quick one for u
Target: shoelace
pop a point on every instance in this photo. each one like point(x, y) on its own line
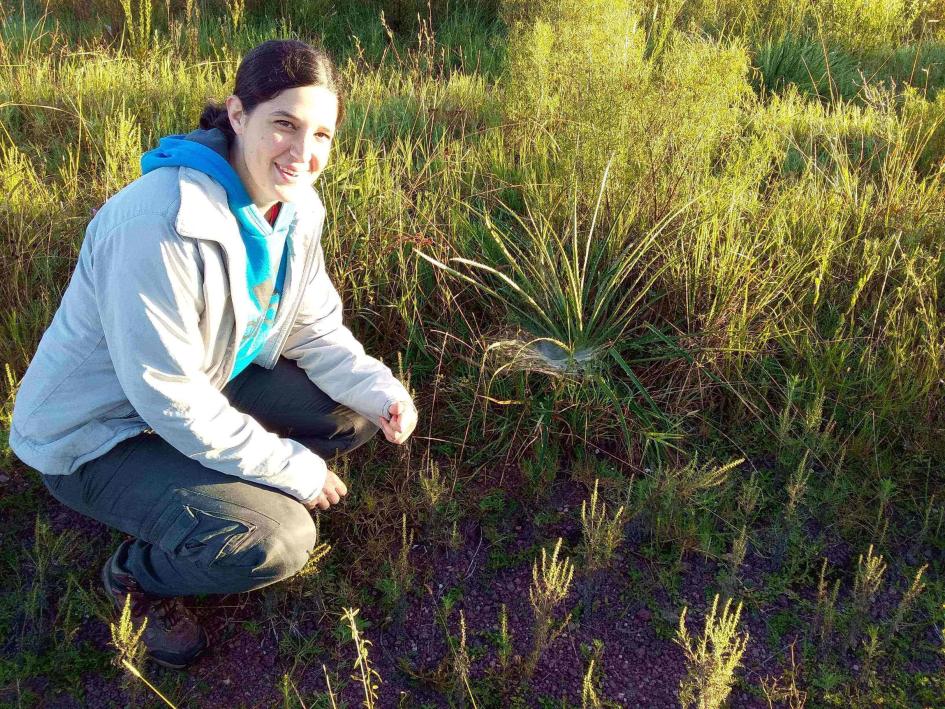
point(169, 611)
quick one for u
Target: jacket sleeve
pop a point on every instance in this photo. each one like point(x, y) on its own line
point(148, 287)
point(331, 356)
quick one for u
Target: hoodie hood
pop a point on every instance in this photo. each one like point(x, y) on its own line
point(207, 151)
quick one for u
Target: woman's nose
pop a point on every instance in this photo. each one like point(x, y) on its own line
point(303, 149)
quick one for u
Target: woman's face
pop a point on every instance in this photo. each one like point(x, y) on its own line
point(282, 145)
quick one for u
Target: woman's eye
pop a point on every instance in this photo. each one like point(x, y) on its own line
point(285, 124)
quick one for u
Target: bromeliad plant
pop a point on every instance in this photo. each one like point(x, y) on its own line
point(575, 291)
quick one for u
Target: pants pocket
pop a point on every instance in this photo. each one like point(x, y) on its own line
point(204, 529)
point(204, 537)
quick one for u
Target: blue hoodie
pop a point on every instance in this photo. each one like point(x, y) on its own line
point(206, 150)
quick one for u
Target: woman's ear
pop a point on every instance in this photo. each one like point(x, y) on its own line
point(234, 110)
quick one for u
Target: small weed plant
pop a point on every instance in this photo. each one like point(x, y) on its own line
point(601, 533)
point(870, 571)
point(131, 651)
point(589, 698)
point(712, 658)
point(551, 582)
point(365, 674)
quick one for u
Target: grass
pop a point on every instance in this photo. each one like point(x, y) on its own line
point(688, 272)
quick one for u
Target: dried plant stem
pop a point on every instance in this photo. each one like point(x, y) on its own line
point(331, 694)
point(134, 671)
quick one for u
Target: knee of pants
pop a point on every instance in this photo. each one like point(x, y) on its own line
point(282, 552)
point(362, 430)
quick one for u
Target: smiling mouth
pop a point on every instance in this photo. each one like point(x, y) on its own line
point(289, 174)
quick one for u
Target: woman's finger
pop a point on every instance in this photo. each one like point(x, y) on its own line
point(386, 428)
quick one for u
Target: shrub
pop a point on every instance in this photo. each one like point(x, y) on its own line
point(870, 24)
point(575, 69)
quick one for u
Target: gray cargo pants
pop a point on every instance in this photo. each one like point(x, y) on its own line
point(201, 531)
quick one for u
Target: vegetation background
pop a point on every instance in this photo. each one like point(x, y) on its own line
point(667, 280)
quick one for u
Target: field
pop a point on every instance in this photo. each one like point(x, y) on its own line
point(668, 282)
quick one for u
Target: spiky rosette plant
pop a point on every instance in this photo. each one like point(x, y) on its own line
point(573, 292)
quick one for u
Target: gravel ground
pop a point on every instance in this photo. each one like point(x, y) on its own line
point(632, 615)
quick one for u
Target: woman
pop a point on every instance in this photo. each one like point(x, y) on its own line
point(197, 374)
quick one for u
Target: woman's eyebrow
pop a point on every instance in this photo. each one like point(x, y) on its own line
point(281, 112)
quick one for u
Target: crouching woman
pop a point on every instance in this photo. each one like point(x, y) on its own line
point(197, 375)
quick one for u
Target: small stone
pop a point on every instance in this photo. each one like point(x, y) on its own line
point(644, 615)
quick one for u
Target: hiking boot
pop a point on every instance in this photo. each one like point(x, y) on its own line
point(173, 637)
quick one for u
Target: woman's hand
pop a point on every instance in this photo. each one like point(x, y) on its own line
point(332, 492)
point(403, 419)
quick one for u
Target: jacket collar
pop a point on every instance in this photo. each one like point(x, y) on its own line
point(204, 213)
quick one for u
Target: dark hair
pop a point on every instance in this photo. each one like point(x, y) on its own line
point(270, 69)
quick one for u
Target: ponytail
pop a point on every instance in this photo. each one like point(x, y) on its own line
point(215, 116)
